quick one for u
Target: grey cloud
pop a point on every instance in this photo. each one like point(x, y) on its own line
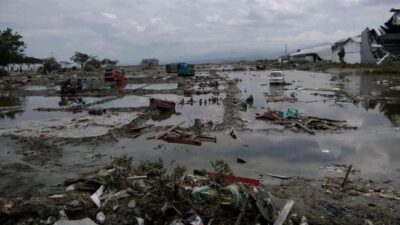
point(178, 30)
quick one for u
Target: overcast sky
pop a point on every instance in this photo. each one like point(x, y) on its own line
point(179, 30)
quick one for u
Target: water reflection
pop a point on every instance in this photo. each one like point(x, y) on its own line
point(365, 114)
point(10, 107)
point(276, 90)
point(19, 109)
point(292, 155)
point(385, 99)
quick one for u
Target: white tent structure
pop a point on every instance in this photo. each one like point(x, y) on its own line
point(320, 53)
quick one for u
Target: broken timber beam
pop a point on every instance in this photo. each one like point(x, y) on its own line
point(158, 136)
point(206, 138)
point(284, 212)
point(304, 127)
point(181, 140)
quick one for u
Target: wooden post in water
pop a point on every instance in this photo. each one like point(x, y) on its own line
point(347, 175)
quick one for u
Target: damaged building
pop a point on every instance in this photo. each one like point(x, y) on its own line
point(390, 38)
point(149, 63)
point(367, 48)
point(362, 49)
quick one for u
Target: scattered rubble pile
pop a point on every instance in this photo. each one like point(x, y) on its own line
point(146, 194)
point(279, 98)
point(358, 187)
point(355, 187)
point(305, 123)
point(14, 81)
point(176, 134)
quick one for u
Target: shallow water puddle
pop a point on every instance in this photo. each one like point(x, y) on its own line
point(28, 104)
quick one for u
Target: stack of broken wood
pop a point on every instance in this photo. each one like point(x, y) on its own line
point(304, 123)
point(175, 134)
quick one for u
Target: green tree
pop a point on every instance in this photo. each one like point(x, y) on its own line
point(80, 58)
point(92, 63)
point(109, 62)
point(341, 55)
point(11, 47)
point(50, 65)
point(31, 60)
point(114, 62)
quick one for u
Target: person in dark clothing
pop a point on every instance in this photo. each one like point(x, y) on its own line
point(67, 87)
point(79, 84)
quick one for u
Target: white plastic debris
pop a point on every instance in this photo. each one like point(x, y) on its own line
point(140, 221)
point(70, 188)
point(132, 204)
point(63, 215)
point(100, 217)
point(85, 221)
point(96, 196)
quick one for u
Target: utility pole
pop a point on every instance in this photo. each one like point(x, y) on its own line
point(285, 49)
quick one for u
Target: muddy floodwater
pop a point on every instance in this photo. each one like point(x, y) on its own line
point(370, 103)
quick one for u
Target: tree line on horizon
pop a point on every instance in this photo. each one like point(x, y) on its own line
point(12, 49)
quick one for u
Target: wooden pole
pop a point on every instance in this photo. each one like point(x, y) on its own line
point(347, 175)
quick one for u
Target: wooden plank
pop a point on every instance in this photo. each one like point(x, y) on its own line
point(304, 127)
point(278, 176)
point(181, 140)
point(158, 136)
point(329, 120)
point(284, 212)
point(206, 138)
point(114, 136)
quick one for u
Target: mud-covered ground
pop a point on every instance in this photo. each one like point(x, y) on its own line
point(35, 161)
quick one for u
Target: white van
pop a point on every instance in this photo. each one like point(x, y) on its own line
point(276, 78)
